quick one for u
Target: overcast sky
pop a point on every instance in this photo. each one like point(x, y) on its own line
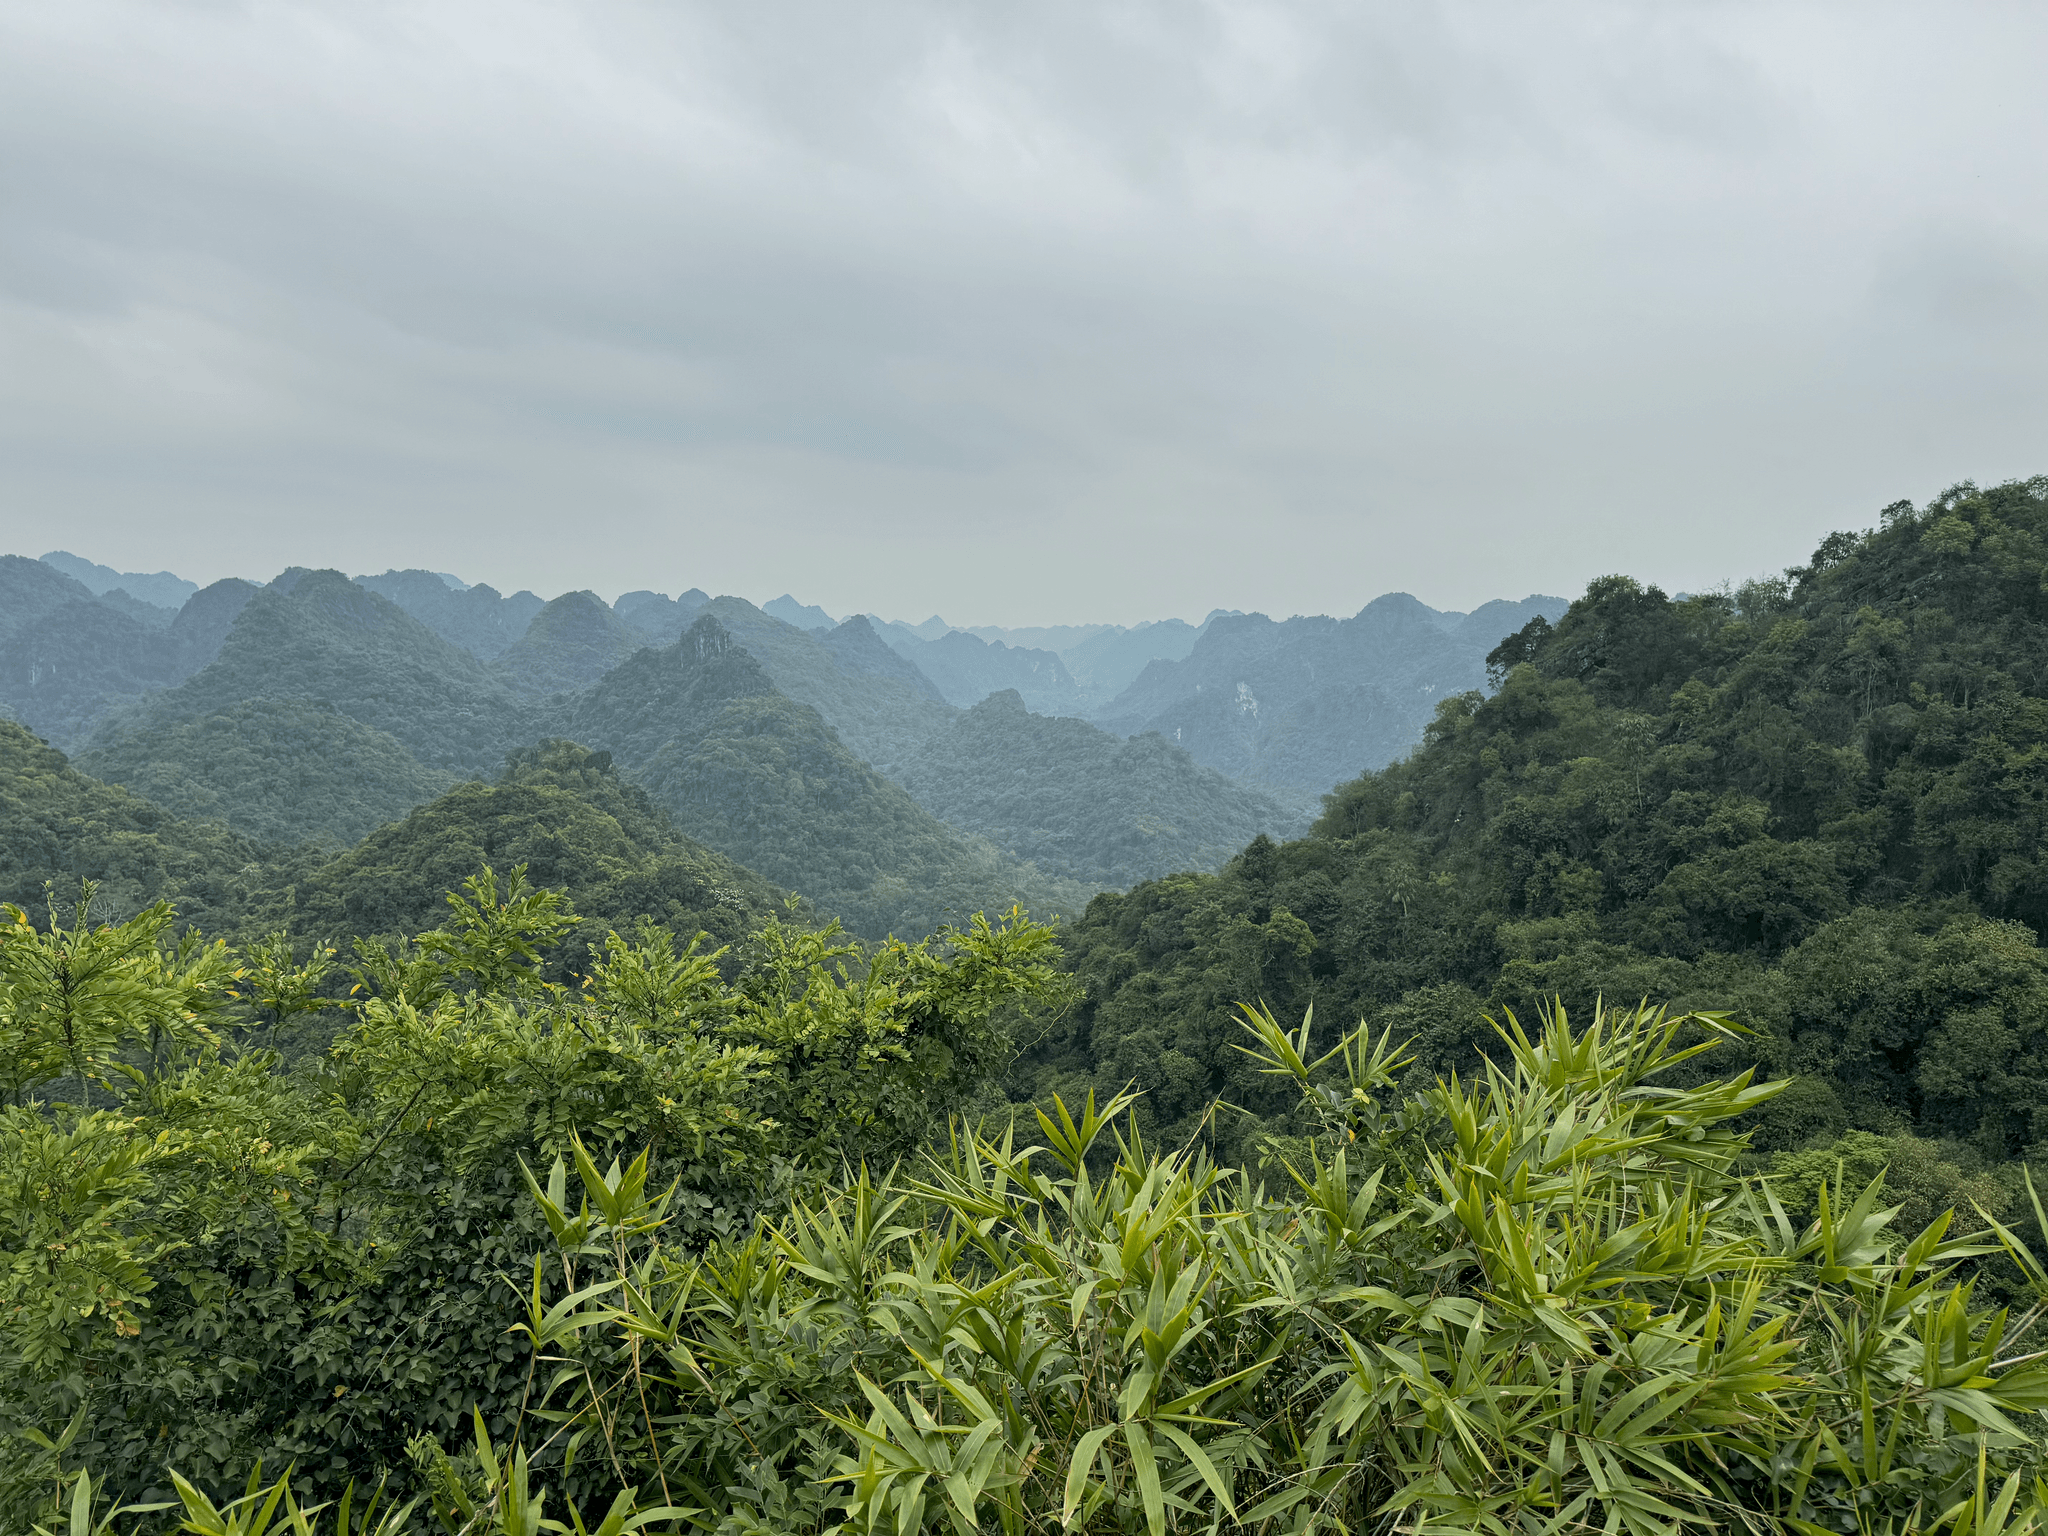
point(1016, 312)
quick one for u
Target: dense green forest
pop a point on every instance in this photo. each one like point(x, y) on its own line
point(1619, 1115)
point(1814, 801)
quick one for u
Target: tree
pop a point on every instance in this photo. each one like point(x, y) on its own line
point(76, 1000)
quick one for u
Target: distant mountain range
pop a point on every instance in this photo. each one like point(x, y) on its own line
point(893, 773)
point(1306, 702)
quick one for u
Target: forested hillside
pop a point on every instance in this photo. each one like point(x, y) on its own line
point(280, 769)
point(317, 635)
point(569, 645)
point(58, 826)
point(1099, 811)
point(1079, 802)
point(318, 708)
point(1814, 802)
point(763, 778)
point(563, 813)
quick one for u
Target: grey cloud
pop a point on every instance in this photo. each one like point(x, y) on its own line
point(1028, 314)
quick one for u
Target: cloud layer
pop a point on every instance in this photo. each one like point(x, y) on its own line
point(1023, 313)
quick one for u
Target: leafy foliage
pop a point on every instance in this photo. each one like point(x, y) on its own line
point(222, 1261)
point(1552, 1303)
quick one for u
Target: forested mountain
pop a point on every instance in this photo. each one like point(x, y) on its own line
point(1079, 802)
point(479, 619)
point(59, 825)
point(321, 708)
point(858, 650)
point(1107, 663)
point(201, 626)
point(558, 808)
point(317, 635)
point(761, 777)
point(329, 711)
point(571, 643)
point(60, 669)
point(277, 768)
point(1816, 803)
point(67, 656)
point(564, 813)
point(1302, 704)
point(1103, 812)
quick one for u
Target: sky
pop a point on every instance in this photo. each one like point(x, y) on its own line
point(1021, 314)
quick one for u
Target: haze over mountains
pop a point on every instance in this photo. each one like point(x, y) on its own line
point(895, 774)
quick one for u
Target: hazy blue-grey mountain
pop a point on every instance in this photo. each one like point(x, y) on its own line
point(479, 619)
point(148, 615)
point(661, 618)
point(570, 644)
point(160, 589)
point(967, 669)
point(1108, 662)
point(31, 589)
point(1306, 703)
point(802, 615)
point(882, 716)
point(1036, 637)
point(857, 651)
point(67, 656)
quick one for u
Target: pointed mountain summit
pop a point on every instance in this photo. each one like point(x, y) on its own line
point(318, 635)
point(570, 644)
point(858, 651)
point(202, 625)
point(763, 779)
point(802, 615)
